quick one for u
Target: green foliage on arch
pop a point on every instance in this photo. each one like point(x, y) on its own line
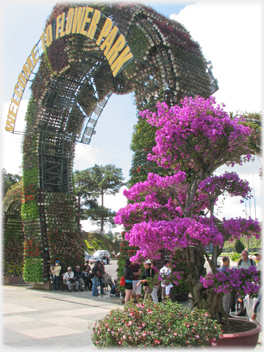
point(13, 236)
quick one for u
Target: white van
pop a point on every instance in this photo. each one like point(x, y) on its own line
point(101, 252)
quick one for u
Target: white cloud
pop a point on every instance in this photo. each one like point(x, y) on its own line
point(116, 202)
point(89, 227)
point(85, 156)
point(233, 209)
point(230, 35)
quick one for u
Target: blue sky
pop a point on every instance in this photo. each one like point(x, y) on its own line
point(229, 33)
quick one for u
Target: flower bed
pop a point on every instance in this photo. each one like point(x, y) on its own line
point(149, 324)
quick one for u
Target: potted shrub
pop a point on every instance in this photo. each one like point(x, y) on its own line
point(192, 141)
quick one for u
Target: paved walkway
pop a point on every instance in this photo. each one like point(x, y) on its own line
point(50, 320)
point(39, 319)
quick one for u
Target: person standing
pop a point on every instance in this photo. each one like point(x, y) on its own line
point(256, 307)
point(165, 289)
point(135, 267)
point(259, 259)
point(154, 270)
point(144, 281)
point(87, 265)
point(96, 272)
point(56, 269)
point(101, 275)
point(227, 296)
point(128, 276)
point(244, 263)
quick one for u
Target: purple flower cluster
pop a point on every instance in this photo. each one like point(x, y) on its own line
point(228, 182)
point(235, 228)
point(195, 131)
point(151, 236)
point(239, 281)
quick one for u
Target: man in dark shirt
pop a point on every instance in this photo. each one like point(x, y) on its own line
point(86, 276)
point(78, 275)
point(135, 267)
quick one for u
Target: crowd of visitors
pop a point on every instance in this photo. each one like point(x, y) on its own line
point(135, 279)
point(133, 283)
point(230, 301)
point(90, 278)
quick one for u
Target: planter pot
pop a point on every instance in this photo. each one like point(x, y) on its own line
point(13, 280)
point(47, 285)
point(241, 339)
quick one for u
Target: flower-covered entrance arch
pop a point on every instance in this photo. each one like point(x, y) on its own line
point(92, 52)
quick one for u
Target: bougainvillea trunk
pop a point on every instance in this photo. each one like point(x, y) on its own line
point(202, 298)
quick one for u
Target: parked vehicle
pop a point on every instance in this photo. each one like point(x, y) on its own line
point(102, 252)
point(87, 255)
point(93, 259)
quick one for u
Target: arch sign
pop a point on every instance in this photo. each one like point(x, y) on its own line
point(79, 20)
point(86, 54)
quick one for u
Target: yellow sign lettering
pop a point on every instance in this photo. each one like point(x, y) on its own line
point(33, 55)
point(27, 68)
point(78, 19)
point(83, 20)
point(117, 47)
point(49, 35)
point(12, 112)
point(86, 19)
point(10, 122)
point(109, 40)
point(17, 93)
point(58, 25)
point(62, 32)
point(14, 101)
point(17, 103)
point(93, 25)
point(43, 41)
point(69, 21)
point(122, 58)
point(22, 80)
point(105, 30)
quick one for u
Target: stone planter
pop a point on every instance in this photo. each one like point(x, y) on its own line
point(248, 339)
point(13, 280)
point(46, 286)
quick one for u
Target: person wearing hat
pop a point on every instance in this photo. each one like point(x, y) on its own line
point(55, 270)
point(165, 289)
point(258, 256)
point(144, 281)
point(69, 279)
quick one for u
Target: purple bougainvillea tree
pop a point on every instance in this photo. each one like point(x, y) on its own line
point(193, 139)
